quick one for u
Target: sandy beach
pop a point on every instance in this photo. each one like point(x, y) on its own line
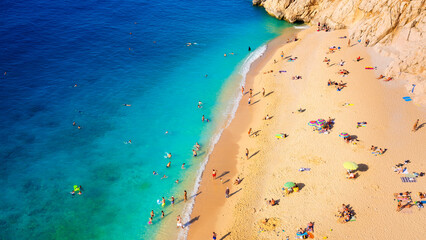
point(324, 188)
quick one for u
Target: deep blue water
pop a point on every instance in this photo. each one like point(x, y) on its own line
point(116, 52)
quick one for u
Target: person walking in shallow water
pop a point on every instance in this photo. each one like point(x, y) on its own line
point(185, 196)
point(416, 125)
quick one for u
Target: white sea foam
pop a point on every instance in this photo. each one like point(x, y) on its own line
point(301, 27)
point(229, 114)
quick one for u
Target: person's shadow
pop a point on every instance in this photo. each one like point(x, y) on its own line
point(420, 126)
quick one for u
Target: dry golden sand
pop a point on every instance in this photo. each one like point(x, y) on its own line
point(324, 188)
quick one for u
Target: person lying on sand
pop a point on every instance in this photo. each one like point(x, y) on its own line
point(343, 72)
point(381, 76)
point(388, 79)
point(296, 77)
point(237, 181)
point(272, 202)
point(422, 195)
point(358, 58)
point(267, 117)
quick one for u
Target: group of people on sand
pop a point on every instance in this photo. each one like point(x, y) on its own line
point(302, 233)
point(338, 86)
point(345, 213)
point(376, 150)
point(406, 198)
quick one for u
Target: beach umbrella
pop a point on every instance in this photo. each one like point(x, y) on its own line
point(344, 135)
point(289, 184)
point(312, 123)
point(321, 121)
point(350, 165)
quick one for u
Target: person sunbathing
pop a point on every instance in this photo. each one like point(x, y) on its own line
point(422, 195)
point(272, 202)
point(237, 181)
point(358, 58)
point(351, 175)
point(373, 148)
point(381, 76)
point(326, 60)
point(267, 117)
point(388, 79)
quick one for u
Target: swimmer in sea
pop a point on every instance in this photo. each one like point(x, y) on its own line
point(150, 221)
point(79, 127)
point(194, 153)
point(166, 132)
point(168, 164)
point(183, 166)
point(152, 213)
point(177, 181)
point(73, 123)
point(169, 155)
point(127, 105)
point(129, 142)
point(197, 146)
point(203, 118)
point(164, 176)
point(224, 55)
point(200, 104)
point(154, 173)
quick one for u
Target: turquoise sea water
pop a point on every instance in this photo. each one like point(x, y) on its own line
point(126, 52)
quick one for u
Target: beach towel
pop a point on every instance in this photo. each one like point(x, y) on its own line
point(407, 99)
point(353, 219)
point(304, 169)
point(281, 71)
point(369, 68)
point(407, 179)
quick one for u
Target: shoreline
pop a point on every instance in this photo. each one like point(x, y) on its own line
point(226, 148)
point(274, 162)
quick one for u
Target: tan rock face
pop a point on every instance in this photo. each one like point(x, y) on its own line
point(394, 27)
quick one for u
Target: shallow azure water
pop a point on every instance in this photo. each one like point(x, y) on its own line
point(116, 52)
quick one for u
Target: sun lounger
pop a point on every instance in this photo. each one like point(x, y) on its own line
point(407, 179)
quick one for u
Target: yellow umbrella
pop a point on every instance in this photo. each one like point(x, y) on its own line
point(350, 165)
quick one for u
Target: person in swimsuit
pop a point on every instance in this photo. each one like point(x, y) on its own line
point(214, 174)
point(214, 236)
point(152, 214)
point(247, 153)
point(194, 153)
point(162, 214)
point(163, 201)
point(168, 164)
point(179, 222)
point(172, 200)
point(150, 221)
point(185, 196)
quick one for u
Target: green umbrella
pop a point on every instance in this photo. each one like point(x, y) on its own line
point(350, 165)
point(289, 184)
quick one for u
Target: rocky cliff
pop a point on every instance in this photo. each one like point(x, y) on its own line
point(394, 27)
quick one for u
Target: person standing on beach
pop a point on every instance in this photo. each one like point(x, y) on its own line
point(349, 42)
point(249, 101)
point(242, 90)
point(185, 196)
point(214, 236)
point(247, 153)
point(249, 132)
point(227, 192)
point(263, 92)
point(172, 200)
point(179, 222)
point(415, 125)
point(214, 174)
point(251, 92)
